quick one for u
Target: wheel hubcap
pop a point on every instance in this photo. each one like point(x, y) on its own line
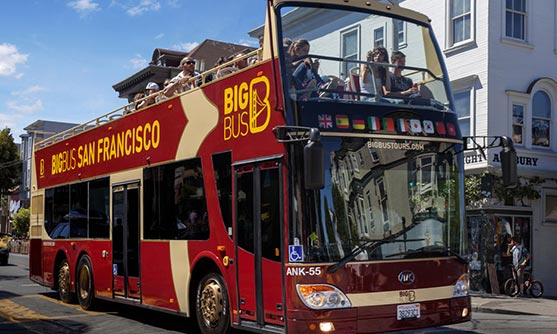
point(64, 279)
point(211, 302)
point(84, 283)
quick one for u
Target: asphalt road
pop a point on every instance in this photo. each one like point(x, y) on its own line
point(27, 308)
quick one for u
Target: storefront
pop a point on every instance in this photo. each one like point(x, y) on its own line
point(488, 232)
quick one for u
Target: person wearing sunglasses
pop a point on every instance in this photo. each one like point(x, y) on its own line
point(182, 82)
point(375, 79)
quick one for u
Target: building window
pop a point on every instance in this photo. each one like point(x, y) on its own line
point(515, 19)
point(460, 21)
point(518, 124)
point(541, 119)
point(400, 33)
point(462, 108)
point(550, 206)
point(379, 37)
point(349, 49)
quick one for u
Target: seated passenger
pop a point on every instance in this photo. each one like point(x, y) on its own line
point(375, 79)
point(181, 82)
point(150, 94)
point(304, 70)
point(401, 86)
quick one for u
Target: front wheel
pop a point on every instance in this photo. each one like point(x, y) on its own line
point(64, 282)
point(212, 307)
point(511, 287)
point(85, 288)
point(536, 289)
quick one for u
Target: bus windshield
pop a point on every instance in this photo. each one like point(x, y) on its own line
point(384, 199)
point(360, 57)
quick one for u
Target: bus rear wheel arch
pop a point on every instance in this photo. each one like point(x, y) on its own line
point(85, 288)
point(212, 307)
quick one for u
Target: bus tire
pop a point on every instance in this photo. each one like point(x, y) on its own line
point(64, 282)
point(85, 289)
point(212, 307)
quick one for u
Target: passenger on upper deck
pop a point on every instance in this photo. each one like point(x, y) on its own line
point(151, 90)
point(180, 83)
point(401, 85)
point(305, 71)
point(375, 75)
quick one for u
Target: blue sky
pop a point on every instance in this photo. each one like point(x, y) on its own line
point(60, 58)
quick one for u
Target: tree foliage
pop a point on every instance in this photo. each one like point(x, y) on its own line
point(474, 193)
point(21, 221)
point(10, 164)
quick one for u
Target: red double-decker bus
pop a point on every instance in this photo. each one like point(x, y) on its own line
point(264, 202)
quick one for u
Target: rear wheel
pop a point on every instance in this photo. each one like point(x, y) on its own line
point(511, 287)
point(212, 307)
point(85, 288)
point(64, 282)
point(536, 289)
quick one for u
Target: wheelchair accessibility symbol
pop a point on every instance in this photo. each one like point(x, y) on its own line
point(295, 253)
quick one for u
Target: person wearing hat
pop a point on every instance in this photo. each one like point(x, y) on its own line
point(150, 93)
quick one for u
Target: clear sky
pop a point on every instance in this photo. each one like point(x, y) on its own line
point(60, 58)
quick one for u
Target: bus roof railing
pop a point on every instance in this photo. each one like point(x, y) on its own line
point(130, 107)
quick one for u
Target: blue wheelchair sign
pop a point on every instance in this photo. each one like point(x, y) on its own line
point(295, 253)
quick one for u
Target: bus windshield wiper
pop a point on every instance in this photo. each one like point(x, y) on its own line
point(370, 244)
point(413, 253)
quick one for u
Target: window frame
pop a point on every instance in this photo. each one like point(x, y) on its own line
point(549, 120)
point(450, 44)
point(548, 192)
point(345, 67)
point(383, 40)
point(522, 126)
point(528, 33)
point(467, 84)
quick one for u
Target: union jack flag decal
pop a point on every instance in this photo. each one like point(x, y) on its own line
point(325, 121)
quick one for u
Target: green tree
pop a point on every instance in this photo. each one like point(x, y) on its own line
point(20, 224)
point(10, 164)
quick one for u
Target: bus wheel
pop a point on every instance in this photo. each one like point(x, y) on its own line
point(85, 288)
point(64, 282)
point(212, 307)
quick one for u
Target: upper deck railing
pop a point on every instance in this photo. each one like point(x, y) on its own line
point(206, 77)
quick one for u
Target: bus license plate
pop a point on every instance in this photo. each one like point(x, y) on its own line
point(408, 311)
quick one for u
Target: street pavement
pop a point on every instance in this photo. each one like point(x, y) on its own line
point(502, 304)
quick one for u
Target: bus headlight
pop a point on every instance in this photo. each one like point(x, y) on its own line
point(322, 296)
point(462, 286)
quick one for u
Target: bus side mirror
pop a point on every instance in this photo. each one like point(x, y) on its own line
point(314, 167)
point(508, 163)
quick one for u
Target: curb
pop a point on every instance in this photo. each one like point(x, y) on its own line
point(481, 309)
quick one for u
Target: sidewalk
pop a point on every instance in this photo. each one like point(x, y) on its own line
point(488, 303)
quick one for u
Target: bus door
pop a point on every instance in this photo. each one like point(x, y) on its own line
point(125, 241)
point(258, 230)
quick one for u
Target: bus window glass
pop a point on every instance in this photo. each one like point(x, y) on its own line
point(175, 205)
point(98, 209)
point(270, 214)
point(223, 178)
point(60, 206)
point(330, 62)
point(244, 198)
point(411, 207)
point(77, 216)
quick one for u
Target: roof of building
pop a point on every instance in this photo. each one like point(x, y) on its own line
point(164, 64)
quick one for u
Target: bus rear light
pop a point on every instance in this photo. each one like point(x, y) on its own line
point(462, 286)
point(322, 296)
